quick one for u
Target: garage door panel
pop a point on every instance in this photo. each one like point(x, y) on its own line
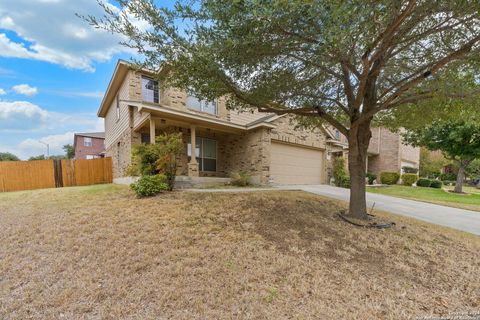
point(291, 164)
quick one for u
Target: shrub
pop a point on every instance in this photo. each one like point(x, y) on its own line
point(132, 170)
point(437, 184)
point(170, 147)
point(448, 177)
point(240, 178)
point(344, 182)
point(147, 186)
point(408, 179)
point(339, 173)
point(371, 177)
point(407, 169)
point(424, 183)
point(389, 177)
point(161, 157)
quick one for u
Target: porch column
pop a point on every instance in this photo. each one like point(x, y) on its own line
point(152, 130)
point(193, 165)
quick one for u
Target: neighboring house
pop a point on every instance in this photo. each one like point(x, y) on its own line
point(89, 145)
point(136, 108)
point(386, 151)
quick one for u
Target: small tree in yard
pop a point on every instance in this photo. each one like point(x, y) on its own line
point(69, 151)
point(459, 141)
point(159, 158)
point(343, 62)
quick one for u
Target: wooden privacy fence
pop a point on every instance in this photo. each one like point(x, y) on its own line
point(27, 175)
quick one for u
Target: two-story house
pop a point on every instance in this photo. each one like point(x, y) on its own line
point(386, 151)
point(89, 145)
point(136, 108)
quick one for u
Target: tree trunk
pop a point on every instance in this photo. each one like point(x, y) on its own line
point(460, 178)
point(358, 140)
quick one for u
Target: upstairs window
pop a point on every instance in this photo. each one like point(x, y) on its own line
point(87, 141)
point(149, 90)
point(195, 103)
point(337, 134)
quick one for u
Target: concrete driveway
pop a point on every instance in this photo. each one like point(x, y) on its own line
point(460, 219)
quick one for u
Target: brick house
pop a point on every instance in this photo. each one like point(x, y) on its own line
point(268, 147)
point(89, 145)
point(386, 151)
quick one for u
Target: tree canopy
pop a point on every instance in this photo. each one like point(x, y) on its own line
point(343, 62)
point(69, 151)
point(458, 141)
point(7, 156)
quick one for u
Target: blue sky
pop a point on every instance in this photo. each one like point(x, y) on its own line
point(54, 69)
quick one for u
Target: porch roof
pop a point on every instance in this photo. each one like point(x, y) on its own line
point(160, 110)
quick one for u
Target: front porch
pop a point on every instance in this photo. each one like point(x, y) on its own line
point(219, 150)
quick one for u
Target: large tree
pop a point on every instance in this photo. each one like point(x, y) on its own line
point(340, 61)
point(459, 141)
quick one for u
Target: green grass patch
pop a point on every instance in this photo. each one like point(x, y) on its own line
point(470, 201)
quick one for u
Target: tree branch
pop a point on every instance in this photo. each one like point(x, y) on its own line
point(466, 48)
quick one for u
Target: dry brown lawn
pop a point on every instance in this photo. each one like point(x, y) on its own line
point(100, 253)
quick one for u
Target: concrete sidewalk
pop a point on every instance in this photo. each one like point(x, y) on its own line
point(460, 219)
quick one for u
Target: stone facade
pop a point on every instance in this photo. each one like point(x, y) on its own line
point(285, 131)
point(250, 153)
point(121, 152)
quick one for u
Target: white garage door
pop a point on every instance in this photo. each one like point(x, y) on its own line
point(291, 164)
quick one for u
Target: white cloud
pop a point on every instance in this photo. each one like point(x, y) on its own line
point(25, 89)
point(55, 34)
point(26, 117)
point(22, 115)
point(2, 92)
point(32, 147)
point(24, 124)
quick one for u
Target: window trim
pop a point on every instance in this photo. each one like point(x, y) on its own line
point(201, 157)
point(157, 89)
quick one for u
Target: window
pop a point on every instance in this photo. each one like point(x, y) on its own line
point(87, 141)
point(195, 103)
point(149, 90)
point(205, 152)
point(337, 134)
point(90, 157)
point(117, 110)
point(145, 138)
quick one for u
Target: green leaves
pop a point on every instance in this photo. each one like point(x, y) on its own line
point(354, 60)
point(458, 140)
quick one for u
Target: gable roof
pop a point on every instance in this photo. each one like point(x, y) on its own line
point(121, 70)
point(99, 135)
point(119, 74)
